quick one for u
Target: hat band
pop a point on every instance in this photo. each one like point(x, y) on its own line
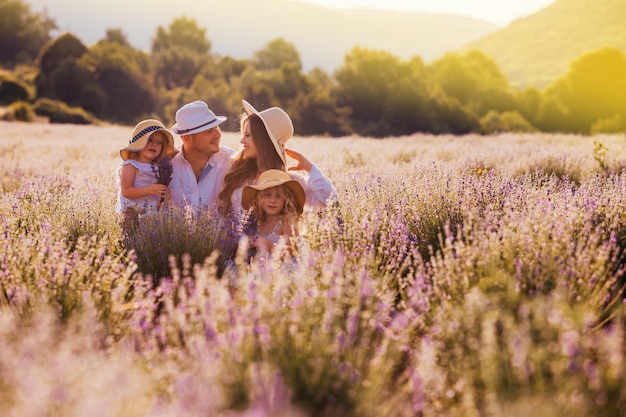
point(143, 132)
point(194, 128)
point(271, 180)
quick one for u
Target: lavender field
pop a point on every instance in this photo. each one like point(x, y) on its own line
point(455, 276)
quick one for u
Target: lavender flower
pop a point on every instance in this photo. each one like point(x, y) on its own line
point(163, 170)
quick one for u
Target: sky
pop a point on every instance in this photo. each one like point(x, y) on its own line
point(500, 12)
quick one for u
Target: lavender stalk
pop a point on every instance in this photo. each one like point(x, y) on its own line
point(163, 170)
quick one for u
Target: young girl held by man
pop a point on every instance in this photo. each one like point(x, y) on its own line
point(141, 190)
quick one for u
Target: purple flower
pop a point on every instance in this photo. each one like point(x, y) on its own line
point(163, 170)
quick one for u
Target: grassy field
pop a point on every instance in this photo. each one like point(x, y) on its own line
point(456, 276)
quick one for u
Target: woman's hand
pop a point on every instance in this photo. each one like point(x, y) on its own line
point(303, 163)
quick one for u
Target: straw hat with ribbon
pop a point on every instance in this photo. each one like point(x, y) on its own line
point(141, 134)
point(273, 178)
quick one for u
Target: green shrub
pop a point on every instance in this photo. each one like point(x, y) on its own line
point(508, 121)
point(13, 89)
point(63, 48)
point(59, 112)
point(20, 110)
point(608, 125)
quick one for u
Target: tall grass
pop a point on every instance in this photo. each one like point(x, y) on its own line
point(455, 276)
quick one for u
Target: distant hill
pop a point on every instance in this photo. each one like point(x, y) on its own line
point(238, 28)
point(537, 49)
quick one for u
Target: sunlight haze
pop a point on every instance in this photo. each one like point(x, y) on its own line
point(238, 28)
point(500, 12)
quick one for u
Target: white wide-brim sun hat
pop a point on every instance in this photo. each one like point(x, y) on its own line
point(195, 117)
point(141, 133)
point(278, 125)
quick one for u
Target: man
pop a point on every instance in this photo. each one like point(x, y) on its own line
point(200, 167)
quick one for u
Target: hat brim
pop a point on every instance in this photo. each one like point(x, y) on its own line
point(250, 191)
point(139, 144)
point(179, 131)
point(249, 109)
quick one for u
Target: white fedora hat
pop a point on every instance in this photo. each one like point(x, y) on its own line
point(278, 125)
point(195, 117)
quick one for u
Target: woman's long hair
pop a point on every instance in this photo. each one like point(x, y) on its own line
point(245, 169)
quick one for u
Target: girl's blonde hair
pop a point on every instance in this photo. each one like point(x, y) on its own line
point(290, 211)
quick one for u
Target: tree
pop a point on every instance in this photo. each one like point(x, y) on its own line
point(594, 88)
point(287, 82)
point(508, 121)
point(364, 83)
point(387, 96)
point(68, 83)
point(22, 32)
point(316, 113)
point(228, 67)
point(123, 75)
point(177, 67)
point(274, 78)
point(276, 54)
point(475, 80)
point(63, 48)
point(129, 97)
point(56, 60)
point(183, 32)
point(552, 115)
point(117, 36)
point(408, 106)
point(13, 89)
point(218, 94)
point(609, 125)
point(528, 102)
point(179, 53)
point(448, 115)
point(255, 87)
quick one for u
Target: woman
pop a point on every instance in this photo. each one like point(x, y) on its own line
point(263, 139)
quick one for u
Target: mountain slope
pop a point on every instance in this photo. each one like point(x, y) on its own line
point(238, 28)
point(537, 49)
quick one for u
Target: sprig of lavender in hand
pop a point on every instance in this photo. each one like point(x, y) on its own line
point(163, 170)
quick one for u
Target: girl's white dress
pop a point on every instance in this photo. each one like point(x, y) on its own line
point(145, 176)
point(272, 236)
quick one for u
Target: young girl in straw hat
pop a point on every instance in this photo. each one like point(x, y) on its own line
point(276, 202)
point(264, 135)
point(139, 193)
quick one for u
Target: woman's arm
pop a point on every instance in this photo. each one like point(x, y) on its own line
point(318, 189)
